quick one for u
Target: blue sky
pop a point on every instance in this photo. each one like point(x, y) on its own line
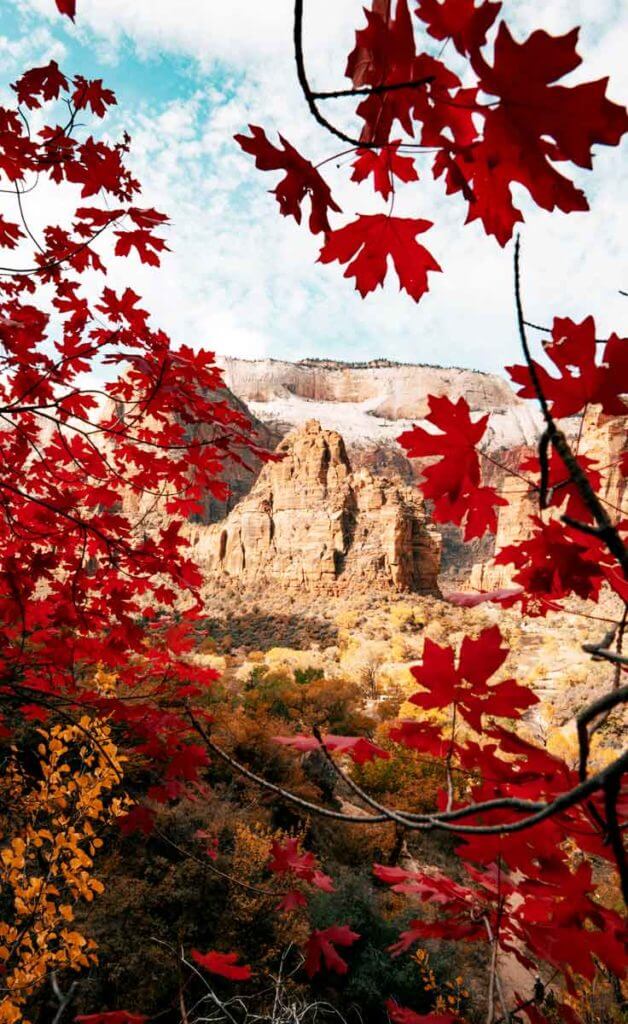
point(242, 280)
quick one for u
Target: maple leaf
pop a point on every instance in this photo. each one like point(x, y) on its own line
point(385, 54)
point(320, 949)
point(45, 83)
point(581, 381)
point(420, 736)
point(91, 93)
point(534, 123)
point(458, 471)
point(9, 233)
point(302, 178)
point(475, 508)
point(459, 20)
point(383, 165)
point(370, 240)
point(285, 857)
point(551, 564)
point(123, 307)
point(67, 7)
point(224, 964)
point(144, 242)
point(466, 685)
point(560, 488)
point(291, 901)
point(402, 1015)
point(358, 748)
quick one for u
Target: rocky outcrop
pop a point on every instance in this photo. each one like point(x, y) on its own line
point(312, 522)
point(370, 404)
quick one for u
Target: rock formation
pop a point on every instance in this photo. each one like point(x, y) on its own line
point(312, 522)
point(371, 403)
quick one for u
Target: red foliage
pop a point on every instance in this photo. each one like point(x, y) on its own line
point(384, 166)
point(512, 124)
point(530, 892)
point(466, 686)
point(301, 180)
point(402, 1015)
point(101, 414)
point(67, 7)
point(370, 240)
point(582, 380)
point(320, 949)
point(224, 964)
point(454, 483)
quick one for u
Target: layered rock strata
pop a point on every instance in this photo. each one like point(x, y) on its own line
point(312, 522)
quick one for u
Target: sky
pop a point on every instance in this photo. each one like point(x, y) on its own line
point(241, 280)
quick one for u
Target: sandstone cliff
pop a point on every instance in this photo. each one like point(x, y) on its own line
point(312, 522)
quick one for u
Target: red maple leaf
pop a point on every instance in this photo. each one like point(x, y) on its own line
point(91, 93)
point(67, 7)
point(383, 165)
point(459, 20)
point(301, 180)
point(475, 508)
point(291, 901)
point(385, 54)
point(470, 599)
point(45, 83)
point(286, 859)
point(9, 233)
point(561, 490)
point(459, 467)
point(370, 240)
point(582, 380)
point(146, 244)
point(466, 685)
point(534, 124)
point(320, 949)
point(453, 483)
point(551, 564)
point(421, 736)
point(224, 964)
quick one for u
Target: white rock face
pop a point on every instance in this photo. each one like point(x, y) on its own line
point(373, 404)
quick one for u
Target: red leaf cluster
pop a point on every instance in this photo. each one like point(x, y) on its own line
point(224, 964)
point(513, 124)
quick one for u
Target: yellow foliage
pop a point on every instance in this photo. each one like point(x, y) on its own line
point(48, 827)
point(347, 619)
point(450, 998)
point(404, 616)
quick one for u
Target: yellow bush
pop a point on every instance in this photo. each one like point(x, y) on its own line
point(48, 832)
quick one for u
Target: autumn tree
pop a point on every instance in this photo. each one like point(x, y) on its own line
point(111, 436)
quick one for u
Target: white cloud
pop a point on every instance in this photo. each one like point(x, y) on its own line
point(243, 280)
